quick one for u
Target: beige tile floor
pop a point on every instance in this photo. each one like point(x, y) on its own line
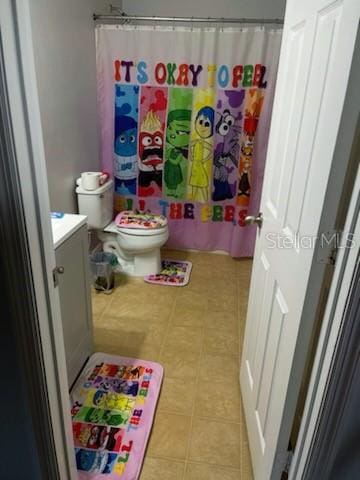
point(196, 333)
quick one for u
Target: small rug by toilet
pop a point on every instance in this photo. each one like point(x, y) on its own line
point(175, 273)
point(113, 406)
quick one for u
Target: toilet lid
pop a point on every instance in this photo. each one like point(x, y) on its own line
point(139, 232)
point(140, 221)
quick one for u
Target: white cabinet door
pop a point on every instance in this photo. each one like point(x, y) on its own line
point(316, 54)
point(75, 300)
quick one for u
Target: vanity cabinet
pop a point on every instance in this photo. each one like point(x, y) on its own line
point(73, 276)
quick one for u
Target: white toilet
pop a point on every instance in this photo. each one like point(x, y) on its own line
point(137, 250)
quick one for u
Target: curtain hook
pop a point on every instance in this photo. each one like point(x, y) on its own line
point(173, 24)
point(192, 24)
point(154, 24)
point(223, 23)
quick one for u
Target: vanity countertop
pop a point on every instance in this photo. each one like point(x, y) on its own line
point(63, 228)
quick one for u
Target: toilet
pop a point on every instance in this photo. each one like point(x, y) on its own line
point(137, 249)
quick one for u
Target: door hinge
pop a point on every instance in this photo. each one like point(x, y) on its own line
point(283, 462)
point(328, 247)
point(332, 256)
point(288, 461)
point(55, 276)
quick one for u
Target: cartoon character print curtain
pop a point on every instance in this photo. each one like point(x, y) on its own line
point(184, 117)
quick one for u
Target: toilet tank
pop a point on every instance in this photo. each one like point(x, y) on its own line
point(97, 204)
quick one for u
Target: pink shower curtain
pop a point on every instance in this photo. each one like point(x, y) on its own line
point(184, 120)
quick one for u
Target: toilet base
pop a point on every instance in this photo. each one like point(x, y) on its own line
point(147, 263)
point(135, 262)
point(139, 265)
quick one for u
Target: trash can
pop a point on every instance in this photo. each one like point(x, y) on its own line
point(102, 266)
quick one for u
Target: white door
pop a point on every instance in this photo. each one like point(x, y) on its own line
point(315, 60)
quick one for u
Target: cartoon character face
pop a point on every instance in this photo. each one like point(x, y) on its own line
point(94, 415)
point(103, 383)
point(99, 398)
point(247, 146)
point(94, 461)
point(85, 460)
point(93, 437)
point(204, 122)
point(82, 433)
point(151, 140)
point(178, 132)
point(115, 420)
point(203, 126)
point(125, 135)
point(108, 370)
point(105, 386)
point(151, 148)
point(121, 371)
point(116, 402)
point(125, 143)
point(130, 388)
point(225, 124)
point(134, 372)
point(98, 437)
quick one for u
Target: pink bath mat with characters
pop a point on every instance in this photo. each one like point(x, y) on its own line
point(113, 406)
point(174, 273)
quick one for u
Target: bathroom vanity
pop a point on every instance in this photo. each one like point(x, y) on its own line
point(73, 277)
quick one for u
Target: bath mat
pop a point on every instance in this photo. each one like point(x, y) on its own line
point(113, 405)
point(175, 273)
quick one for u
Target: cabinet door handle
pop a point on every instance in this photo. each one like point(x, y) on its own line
point(60, 270)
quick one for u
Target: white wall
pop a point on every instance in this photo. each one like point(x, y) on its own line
point(64, 45)
point(206, 8)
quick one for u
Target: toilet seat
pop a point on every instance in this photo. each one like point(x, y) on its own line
point(135, 232)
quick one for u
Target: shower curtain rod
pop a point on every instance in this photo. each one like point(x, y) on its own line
point(124, 18)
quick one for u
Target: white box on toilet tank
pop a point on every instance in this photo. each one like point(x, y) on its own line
point(97, 204)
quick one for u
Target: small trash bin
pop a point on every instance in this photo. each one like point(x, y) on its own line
point(102, 266)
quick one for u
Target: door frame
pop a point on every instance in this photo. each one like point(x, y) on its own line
point(328, 346)
point(347, 152)
point(31, 185)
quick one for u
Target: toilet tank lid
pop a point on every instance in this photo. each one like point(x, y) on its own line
point(104, 188)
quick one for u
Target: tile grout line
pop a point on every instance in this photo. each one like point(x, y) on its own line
point(237, 313)
point(239, 364)
point(179, 460)
point(196, 380)
point(203, 417)
point(111, 299)
point(241, 328)
point(168, 325)
point(196, 386)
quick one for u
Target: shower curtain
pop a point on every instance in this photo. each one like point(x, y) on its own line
point(184, 121)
